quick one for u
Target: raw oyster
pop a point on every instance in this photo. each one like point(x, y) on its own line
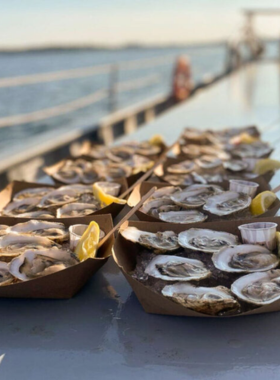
point(212, 301)
point(160, 241)
point(12, 245)
point(194, 197)
point(235, 165)
point(175, 268)
point(80, 189)
point(89, 176)
point(245, 258)
point(204, 240)
point(147, 149)
point(183, 167)
point(182, 217)
point(154, 204)
point(32, 264)
point(58, 198)
point(5, 276)
point(44, 214)
point(51, 230)
point(120, 153)
point(208, 162)
point(68, 175)
point(18, 208)
point(3, 229)
point(177, 180)
point(111, 188)
point(260, 288)
point(98, 151)
point(36, 192)
point(207, 178)
point(227, 203)
point(73, 210)
point(257, 149)
point(165, 192)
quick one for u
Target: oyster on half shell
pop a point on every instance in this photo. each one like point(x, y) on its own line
point(183, 167)
point(73, 210)
point(227, 203)
point(204, 240)
point(159, 241)
point(36, 192)
point(18, 208)
point(5, 276)
point(175, 268)
point(208, 162)
point(195, 196)
point(235, 165)
point(58, 198)
point(245, 258)
point(165, 192)
point(182, 217)
point(260, 288)
point(212, 301)
point(177, 180)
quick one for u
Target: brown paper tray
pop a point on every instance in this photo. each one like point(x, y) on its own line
point(7, 194)
point(142, 189)
point(125, 253)
point(65, 283)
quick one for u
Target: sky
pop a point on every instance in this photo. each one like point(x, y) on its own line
point(27, 23)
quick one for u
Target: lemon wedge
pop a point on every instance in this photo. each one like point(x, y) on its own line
point(265, 165)
point(88, 243)
point(157, 140)
point(105, 199)
point(143, 167)
point(262, 202)
point(278, 242)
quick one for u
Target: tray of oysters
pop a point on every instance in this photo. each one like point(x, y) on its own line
point(38, 257)
point(221, 269)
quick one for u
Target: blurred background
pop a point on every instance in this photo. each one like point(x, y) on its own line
point(65, 65)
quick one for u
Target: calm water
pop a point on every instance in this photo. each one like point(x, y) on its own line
point(25, 99)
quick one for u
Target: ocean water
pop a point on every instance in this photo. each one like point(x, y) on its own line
point(205, 60)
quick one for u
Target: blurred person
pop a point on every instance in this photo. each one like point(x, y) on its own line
point(182, 84)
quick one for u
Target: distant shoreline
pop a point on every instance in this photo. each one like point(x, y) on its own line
point(64, 48)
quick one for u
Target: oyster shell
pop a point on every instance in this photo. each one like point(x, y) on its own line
point(257, 149)
point(68, 175)
point(5, 276)
point(212, 301)
point(32, 264)
point(111, 188)
point(153, 204)
point(89, 176)
point(194, 197)
point(120, 153)
point(147, 149)
point(160, 241)
point(80, 189)
point(73, 210)
point(51, 230)
point(235, 165)
point(227, 203)
point(175, 268)
point(44, 214)
point(58, 198)
point(183, 167)
point(260, 288)
point(177, 180)
point(12, 245)
point(36, 192)
point(208, 162)
point(244, 258)
point(204, 240)
point(3, 230)
point(207, 178)
point(165, 192)
point(18, 208)
point(182, 217)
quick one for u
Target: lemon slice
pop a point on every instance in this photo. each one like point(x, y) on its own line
point(265, 165)
point(278, 242)
point(262, 202)
point(157, 140)
point(105, 199)
point(88, 243)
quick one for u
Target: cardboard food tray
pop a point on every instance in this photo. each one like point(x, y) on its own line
point(67, 282)
point(7, 194)
point(161, 171)
point(142, 189)
point(50, 170)
point(125, 254)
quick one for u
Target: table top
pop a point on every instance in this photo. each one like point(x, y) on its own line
point(103, 332)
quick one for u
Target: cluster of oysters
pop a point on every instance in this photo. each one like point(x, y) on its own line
point(205, 270)
point(63, 202)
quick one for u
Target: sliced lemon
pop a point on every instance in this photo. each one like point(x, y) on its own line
point(88, 243)
point(157, 140)
point(105, 199)
point(262, 202)
point(143, 167)
point(278, 242)
point(265, 165)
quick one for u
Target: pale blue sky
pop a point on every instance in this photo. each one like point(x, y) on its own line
point(43, 22)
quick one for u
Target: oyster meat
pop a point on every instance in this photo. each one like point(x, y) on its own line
point(177, 180)
point(212, 301)
point(194, 197)
point(175, 268)
point(227, 203)
point(235, 165)
point(159, 241)
point(182, 217)
point(260, 288)
point(33, 264)
point(51, 230)
point(5, 276)
point(18, 208)
point(208, 162)
point(76, 209)
point(36, 192)
point(44, 214)
point(58, 198)
point(165, 192)
point(204, 240)
point(183, 167)
point(245, 258)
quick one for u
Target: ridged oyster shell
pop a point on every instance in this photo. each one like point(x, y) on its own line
point(208, 162)
point(195, 196)
point(235, 165)
point(244, 258)
point(57, 198)
point(183, 167)
point(160, 241)
point(227, 203)
point(212, 301)
point(182, 217)
point(18, 208)
point(204, 240)
point(36, 192)
point(32, 264)
point(175, 268)
point(76, 210)
point(260, 288)
point(5, 276)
